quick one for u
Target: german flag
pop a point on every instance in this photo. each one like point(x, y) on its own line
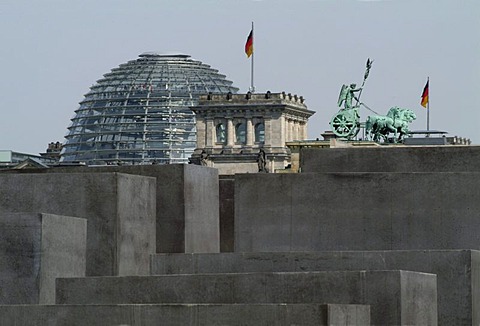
point(424, 101)
point(249, 44)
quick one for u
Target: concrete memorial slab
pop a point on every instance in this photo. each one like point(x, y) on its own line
point(227, 213)
point(120, 210)
point(456, 270)
point(395, 297)
point(186, 315)
point(187, 203)
point(34, 250)
point(357, 211)
point(392, 159)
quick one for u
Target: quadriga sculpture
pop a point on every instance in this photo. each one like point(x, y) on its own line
point(396, 121)
point(346, 123)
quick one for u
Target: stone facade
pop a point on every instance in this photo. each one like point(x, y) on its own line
point(233, 128)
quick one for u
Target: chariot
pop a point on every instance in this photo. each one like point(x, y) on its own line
point(346, 124)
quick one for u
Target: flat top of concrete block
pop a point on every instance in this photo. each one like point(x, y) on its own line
point(391, 158)
point(25, 217)
point(129, 169)
point(179, 305)
point(73, 173)
point(213, 275)
point(310, 253)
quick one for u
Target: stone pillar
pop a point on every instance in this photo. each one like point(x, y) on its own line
point(276, 130)
point(282, 130)
point(290, 130)
point(230, 133)
point(300, 130)
point(250, 132)
point(210, 139)
point(287, 130)
point(296, 130)
point(268, 132)
point(304, 131)
point(201, 130)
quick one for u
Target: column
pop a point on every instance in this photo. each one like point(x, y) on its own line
point(250, 132)
point(201, 135)
point(290, 130)
point(295, 130)
point(282, 130)
point(287, 130)
point(304, 131)
point(268, 131)
point(230, 133)
point(210, 132)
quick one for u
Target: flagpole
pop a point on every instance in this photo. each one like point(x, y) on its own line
point(252, 88)
point(428, 105)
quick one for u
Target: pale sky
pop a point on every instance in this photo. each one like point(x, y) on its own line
point(52, 51)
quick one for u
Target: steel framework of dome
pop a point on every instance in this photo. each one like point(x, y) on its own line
point(139, 112)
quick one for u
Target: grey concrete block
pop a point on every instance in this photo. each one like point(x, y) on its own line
point(187, 207)
point(227, 213)
point(186, 315)
point(392, 159)
point(348, 315)
point(457, 271)
point(475, 288)
point(356, 211)
point(202, 223)
point(395, 296)
point(120, 210)
point(34, 250)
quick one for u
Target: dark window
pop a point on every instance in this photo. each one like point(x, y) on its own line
point(220, 133)
point(260, 133)
point(240, 133)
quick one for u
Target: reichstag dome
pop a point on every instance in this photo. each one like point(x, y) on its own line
point(139, 112)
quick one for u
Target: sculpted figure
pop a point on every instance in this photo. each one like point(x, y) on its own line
point(346, 123)
point(262, 161)
point(203, 158)
point(347, 94)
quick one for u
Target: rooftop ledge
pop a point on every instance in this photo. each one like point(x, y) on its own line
point(163, 55)
point(251, 96)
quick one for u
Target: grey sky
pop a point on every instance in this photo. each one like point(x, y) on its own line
point(52, 51)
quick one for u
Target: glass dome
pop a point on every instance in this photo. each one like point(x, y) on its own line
point(139, 112)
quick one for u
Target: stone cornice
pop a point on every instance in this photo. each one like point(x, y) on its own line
point(252, 104)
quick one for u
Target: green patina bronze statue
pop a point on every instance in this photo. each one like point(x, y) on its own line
point(396, 121)
point(346, 123)
point(347, 94)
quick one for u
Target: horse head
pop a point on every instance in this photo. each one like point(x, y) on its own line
point(393, 112)
point(409, 115)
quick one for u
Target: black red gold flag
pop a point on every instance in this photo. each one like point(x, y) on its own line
point(249, 44)
point(424, 101)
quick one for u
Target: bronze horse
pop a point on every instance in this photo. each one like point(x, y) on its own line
point(396, 121)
